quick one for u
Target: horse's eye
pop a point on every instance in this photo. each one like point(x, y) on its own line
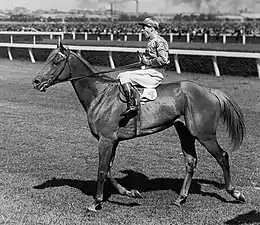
point(56, 61)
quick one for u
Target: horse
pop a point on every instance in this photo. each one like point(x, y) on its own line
point(193, 109)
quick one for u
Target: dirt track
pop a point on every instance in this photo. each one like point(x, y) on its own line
point(45, 136)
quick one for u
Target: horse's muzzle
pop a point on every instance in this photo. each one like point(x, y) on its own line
point(39, 85)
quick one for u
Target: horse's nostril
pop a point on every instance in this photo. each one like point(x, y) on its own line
point(36, 81)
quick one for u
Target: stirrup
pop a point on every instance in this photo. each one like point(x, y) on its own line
point(129, 110)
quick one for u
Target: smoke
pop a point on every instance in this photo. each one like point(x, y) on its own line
point(217, 6)
point(175, 6)
point(93, 4)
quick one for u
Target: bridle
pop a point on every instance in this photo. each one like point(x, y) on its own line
point(65, 57)
point(55, 78)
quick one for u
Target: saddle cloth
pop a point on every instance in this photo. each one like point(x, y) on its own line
point(141, 94)
point(149, 94)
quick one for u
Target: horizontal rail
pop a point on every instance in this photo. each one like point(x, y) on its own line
point(204, 37)
point(73, 47)
point(110, 49)
point(253, 55)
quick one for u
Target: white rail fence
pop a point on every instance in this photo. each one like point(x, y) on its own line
point(110, 50)
point(204, 37)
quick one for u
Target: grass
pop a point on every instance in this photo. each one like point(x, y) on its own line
point(48, 161)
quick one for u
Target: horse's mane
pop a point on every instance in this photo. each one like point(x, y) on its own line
point(92, 68)
point(104, 76)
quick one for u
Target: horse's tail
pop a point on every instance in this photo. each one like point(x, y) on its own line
point(233, 118)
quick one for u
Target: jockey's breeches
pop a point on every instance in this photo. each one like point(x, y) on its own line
point(148, 78)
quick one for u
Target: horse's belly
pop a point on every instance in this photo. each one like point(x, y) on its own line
point(153, 117)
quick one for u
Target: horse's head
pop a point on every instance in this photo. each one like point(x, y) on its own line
point(55, 70)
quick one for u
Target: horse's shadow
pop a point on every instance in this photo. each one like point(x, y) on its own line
point(134, 180)
point(252, 217)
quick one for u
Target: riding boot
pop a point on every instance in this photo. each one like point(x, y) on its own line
point(131, 103)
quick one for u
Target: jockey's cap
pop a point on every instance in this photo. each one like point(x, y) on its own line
point(150, 22)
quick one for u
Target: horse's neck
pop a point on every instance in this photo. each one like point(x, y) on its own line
point(88, 89)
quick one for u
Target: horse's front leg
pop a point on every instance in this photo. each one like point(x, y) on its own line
point(105, 147)
point(122, 190)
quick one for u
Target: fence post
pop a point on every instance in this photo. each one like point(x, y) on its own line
point(177, 65)
point(74, 35)
point(140, 37)
point(31, 55)
point(11, 39)
point(125, 37)
point(224, 38)
point(79, 53)
point(34, 39)
point(258, 67)
point(86, 36)
point(171, 37)
point(215, 65)
point(9, 53)
point(205, 38)
point(244, 39)
point(188, 37)
point(110, 57)
point(111, 37)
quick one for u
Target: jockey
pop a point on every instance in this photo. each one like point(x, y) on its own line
point(155, 57)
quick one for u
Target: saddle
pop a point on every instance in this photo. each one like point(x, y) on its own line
point(141, 94)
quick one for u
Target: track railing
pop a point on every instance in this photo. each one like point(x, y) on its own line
point(110, 50)
point(34, 37)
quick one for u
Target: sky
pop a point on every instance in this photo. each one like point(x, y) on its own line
point(150, 6)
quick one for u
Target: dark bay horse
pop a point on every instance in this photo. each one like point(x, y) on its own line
point(201, 108)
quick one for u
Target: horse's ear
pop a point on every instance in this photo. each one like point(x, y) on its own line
point(60, 46)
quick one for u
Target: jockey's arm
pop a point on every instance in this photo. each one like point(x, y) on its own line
point(162, 57)
point(161, 60)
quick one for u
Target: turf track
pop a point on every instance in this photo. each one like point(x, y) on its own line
point(45, 136)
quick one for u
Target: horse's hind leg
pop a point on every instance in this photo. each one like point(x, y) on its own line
point(188, 148)
point(223, 160)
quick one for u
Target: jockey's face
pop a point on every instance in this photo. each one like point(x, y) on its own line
point(147, 31)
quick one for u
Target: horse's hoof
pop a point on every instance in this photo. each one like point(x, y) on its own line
point(136, 194)
point(133, 194)
point(242, 198)
point(238, 196)
point(176, 203)
point(94, 207)
point(180, 200)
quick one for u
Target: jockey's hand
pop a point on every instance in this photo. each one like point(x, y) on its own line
point(140, 55)
point(145, 61)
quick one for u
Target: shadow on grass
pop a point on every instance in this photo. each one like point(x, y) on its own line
point(135, 180)
point(252, 217)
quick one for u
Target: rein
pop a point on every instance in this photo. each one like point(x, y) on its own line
point(106, 71)
point(65, 57)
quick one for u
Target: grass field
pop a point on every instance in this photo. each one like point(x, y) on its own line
point(48, 161)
